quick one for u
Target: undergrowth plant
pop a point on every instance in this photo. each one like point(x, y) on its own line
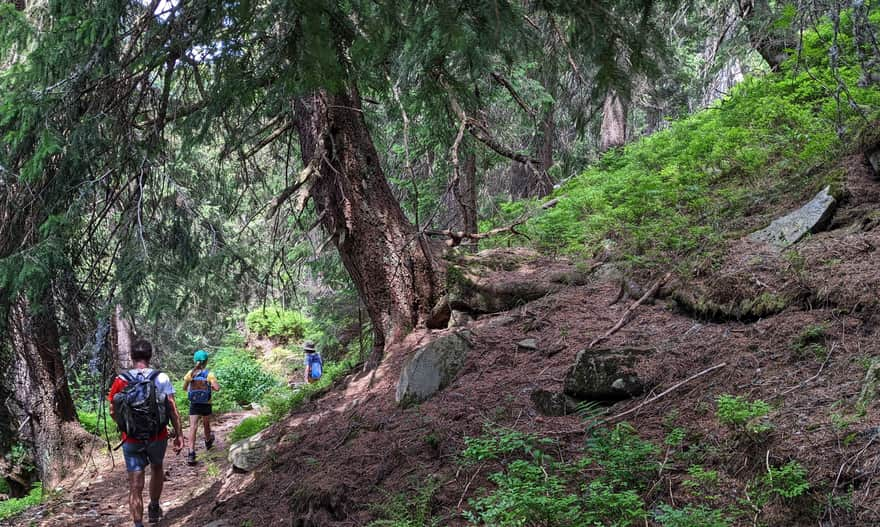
point(744, 416)
point(11, 507)
point(278, 323)
point(407, 510)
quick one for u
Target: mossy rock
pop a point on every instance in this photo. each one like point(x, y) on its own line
point(700, 304)
point(433, 367)
point(607, 374)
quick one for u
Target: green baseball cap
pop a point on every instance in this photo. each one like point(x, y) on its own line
point(200, 356)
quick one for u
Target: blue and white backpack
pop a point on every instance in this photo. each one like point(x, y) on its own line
point(200, 388)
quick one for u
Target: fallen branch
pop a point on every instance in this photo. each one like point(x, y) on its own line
point(625, 318)
point(456, 237)
point(814, 377)
point(661, 394)
point(302, 179)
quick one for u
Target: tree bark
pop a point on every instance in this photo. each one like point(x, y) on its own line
point(42, 401)
point(614, 119)
point(121, 340)
point(466, 195)
point(389, 261)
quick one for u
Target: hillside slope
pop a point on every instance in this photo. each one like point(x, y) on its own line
point(338, 459)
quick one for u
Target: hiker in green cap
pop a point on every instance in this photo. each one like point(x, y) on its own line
point(198, 384)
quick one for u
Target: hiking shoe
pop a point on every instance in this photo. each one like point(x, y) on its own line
point(154, 512)
point(191, 458)
point(209, 442)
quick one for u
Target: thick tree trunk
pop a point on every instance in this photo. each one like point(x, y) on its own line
point(392, 266)
point(42, 400)
point(533, 181)
point(614, 119)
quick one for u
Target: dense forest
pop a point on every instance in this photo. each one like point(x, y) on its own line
point(507, 185)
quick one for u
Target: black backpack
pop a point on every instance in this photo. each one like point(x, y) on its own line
point(141, 412)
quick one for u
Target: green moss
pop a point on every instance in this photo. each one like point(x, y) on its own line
point(835, 180)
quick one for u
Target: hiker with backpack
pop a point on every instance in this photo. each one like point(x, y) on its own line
point(142, 404)
point(314, 362)
point(199, 383)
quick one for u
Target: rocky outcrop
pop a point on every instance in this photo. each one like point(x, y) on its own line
point(605, 375)
point(433, 367)
point(810, 218)
point(248, 454)
point(553, 404)
point(499, 280)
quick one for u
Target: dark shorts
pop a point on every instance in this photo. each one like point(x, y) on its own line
point(139, 455)
point(199, 408)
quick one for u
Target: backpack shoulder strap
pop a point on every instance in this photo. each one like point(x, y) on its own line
point(126, 376)
point(152, 376)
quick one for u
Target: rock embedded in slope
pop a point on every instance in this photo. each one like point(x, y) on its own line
point(553, 404)
point(810, 218)
point(873, 157)
point(605, 374)
point(433, 367)
point(248, 454)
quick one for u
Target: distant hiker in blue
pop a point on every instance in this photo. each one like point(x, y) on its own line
point(198, 384)
point(314, 362)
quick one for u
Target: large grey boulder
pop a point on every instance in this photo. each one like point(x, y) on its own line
point(248, 454)
point(433, 367)
point(605, 375)
point(787, 230)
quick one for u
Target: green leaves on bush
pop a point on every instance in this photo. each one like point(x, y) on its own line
point(691, 516)
point(11, 507)
point(744, 415)
point(249, 426)
point(277, 323)
point(241, 377)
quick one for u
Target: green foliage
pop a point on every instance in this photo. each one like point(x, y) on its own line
point(810, 342)
point(11, 507)
point(402, 510)
point(241, 377)
point(627, 459)
point(281, 400)
point(99, 424)
point(711, 175)
point(691, 516)
point(248, 427)
point(744, 415)
point(787, 482)
point(278, 323)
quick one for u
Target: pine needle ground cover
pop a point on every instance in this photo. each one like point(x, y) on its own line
point(719, 173)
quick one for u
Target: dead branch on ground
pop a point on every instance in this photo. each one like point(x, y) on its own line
point(626, 314)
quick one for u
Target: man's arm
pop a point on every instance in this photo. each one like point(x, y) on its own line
point(175, 422)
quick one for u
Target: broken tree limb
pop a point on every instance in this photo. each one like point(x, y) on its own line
point(664, 392)
point(626, 314)
point(301, 187)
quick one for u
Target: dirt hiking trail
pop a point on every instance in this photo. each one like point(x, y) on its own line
point(99, 495)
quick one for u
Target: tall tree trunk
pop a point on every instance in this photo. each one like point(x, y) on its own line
point(614, 119)
point(121, 339)
point(390, 263)
point(465, 192)
point(42, 400)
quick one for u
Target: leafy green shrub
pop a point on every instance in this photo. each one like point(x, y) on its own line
point(627, 459)
point(4, 486)
point(787, 482)
point(744, 415)
point(241, 377)
point(691, 516)
point(11, 507)
point(248, 427)
point(277, 323)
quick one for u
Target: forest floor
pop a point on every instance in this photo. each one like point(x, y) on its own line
point(99, 494)
point(337, 459)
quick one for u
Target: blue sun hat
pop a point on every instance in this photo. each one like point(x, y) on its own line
point(200, 356)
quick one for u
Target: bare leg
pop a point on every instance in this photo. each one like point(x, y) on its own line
point(157, 478)
point(193, 429)
point(206, 421)
point(135, 498)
